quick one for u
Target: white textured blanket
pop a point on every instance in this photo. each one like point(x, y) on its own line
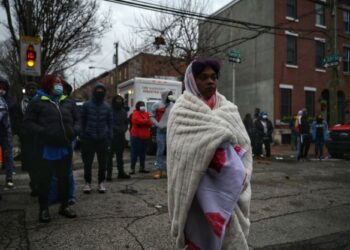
point(194, 133)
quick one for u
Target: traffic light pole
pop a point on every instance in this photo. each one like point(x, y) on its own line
point(333, 109)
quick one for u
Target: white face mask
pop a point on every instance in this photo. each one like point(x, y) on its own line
point(142, 108)
point(171, 98)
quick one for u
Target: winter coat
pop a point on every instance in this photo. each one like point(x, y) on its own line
point(141, 125)
point(322, 125)
point(259, 130)
point(160, 112)
point(52, 123)
point(96, 121)
point(120, 121)
point(304, 126)
point(5, 127)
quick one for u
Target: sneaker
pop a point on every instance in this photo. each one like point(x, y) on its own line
point(157, 175)
point(9, 184)
point(87, 188)
point(101, 188)
point(67, 212)
point(44, 216)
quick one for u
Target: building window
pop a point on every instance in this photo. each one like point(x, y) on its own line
point(320, 14)
point(125, 73)
point(286, 103)
point(292, 8)
point(346, 21)
point(310, 102)
point(320, 54)
point(291, 50)
point(346, 60)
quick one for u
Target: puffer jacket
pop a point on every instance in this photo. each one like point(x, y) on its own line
point(141, 125)
point(53, 124)
point(96, 121)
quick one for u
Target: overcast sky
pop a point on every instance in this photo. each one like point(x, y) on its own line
point(122, 18)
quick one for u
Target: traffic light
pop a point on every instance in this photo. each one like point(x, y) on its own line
point(30, 56)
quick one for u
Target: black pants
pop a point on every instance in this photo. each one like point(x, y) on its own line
point(45, 171)
point(117, 148)
point(267, 145)
point(88, 150)
point(29, 161)
point(304, 147)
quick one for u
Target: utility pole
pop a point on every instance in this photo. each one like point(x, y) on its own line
point(333, 103)
point(116, 66)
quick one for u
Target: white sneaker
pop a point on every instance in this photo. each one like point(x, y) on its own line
point(101, 188)
point(9, 184)
point(87, 188)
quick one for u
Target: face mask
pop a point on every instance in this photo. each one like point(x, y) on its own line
point(171, 98)
point(2, 92)
point(57, 90)
point(99, 95)
point(142, 108)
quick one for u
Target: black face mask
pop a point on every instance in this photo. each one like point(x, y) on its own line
point(99, 96)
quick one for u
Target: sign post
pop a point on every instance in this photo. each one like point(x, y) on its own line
point(30, 56)
point(234, 56)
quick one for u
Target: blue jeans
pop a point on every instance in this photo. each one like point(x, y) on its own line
point(319, 142)
point(161, 142)
point(138, 150)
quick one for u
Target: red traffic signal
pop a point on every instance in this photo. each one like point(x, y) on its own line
point(30, 56)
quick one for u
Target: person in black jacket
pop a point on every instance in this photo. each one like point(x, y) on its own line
point(96, 136)
point(304, 136)
point(54, 121)
point(120, 126)
point(263, 128)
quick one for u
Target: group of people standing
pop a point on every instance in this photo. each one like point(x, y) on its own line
point(304, 134)
point(260, 131)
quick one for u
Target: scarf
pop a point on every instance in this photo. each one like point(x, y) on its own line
point(195, 132)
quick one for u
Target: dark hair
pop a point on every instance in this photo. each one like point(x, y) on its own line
point(47, 82)
point(138, 104)
point(199, 65)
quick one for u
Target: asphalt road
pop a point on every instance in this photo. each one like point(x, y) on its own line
point(295, 205)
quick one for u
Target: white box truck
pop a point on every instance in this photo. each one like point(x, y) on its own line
point(149, 91)
point(146, 89)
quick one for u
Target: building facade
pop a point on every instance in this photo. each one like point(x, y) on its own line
point(281, 69)
point(141, 65)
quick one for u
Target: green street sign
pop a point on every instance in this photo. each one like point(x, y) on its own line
point(331, 60)
point(234, 56)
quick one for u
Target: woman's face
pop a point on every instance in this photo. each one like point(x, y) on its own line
point(206, 82)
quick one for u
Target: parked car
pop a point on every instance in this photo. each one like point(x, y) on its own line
point(338, 143)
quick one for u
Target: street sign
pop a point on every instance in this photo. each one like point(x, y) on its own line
point(234, 56)
point(30, 55)
point(331, 61)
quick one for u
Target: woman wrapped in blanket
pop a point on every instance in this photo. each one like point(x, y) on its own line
point(209, 160)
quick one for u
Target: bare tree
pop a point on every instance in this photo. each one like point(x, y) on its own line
point(175, 36)
point(68, 29)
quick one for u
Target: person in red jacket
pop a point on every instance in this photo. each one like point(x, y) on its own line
point(139, 134)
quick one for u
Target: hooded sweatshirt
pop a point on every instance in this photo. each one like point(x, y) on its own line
point(160, 112)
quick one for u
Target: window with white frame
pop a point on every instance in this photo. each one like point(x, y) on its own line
point(320, 54)
point(286, 102)
point(292, 8)
point(346, 60)
point(292, 49)
point(310, 102)
point(346, 21)
point(320, 14)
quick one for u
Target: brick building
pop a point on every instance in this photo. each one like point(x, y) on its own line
point(282, 70)
point(141, 65)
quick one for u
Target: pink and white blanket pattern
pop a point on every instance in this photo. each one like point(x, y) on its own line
point(215, 199)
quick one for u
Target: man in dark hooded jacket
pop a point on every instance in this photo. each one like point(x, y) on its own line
point(120, 126)
point(96, 136)
point(12, 105)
